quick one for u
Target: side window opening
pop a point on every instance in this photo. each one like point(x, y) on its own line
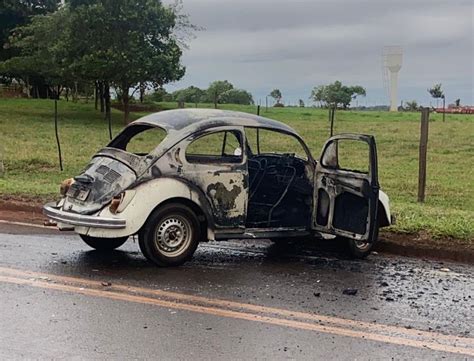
point(264, 141)
point(139, 139)
point(218, 147)
point(349, 155)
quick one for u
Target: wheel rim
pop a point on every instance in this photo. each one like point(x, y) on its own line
point(361, 245)
point(173, 235)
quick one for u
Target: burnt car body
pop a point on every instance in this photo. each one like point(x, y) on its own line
point(188, 189)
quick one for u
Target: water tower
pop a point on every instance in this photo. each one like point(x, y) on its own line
point(392, 63)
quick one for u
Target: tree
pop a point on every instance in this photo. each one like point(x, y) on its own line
point(158, 95)
point(301, 103)
point(41, 47)
point(335, 94)
point(411, 105)
point(216, 89)
point(127, 42)
point(237, 96)
point(191, 94)
point(13, 14)
point(276, 94)
point(437, 93)
point(457, 102)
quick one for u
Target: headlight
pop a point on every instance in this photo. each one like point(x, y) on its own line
point(65, 185)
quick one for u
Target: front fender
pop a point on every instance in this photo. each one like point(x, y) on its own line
point(148, 196)
point(384, 215)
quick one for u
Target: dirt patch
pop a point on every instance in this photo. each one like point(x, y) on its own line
point(420, 245)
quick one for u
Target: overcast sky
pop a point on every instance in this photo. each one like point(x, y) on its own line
point(295, 45)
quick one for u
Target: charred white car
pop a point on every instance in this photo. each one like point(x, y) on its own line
point(217, 175)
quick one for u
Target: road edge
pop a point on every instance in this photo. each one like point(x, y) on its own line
point(29, 213)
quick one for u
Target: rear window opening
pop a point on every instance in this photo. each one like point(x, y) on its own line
point(139, 139)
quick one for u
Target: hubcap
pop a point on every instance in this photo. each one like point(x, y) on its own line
point(173, 235)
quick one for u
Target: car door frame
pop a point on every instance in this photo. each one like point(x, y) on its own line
point(335, 181)
point(224, 184)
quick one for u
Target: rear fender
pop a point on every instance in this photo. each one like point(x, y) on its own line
point(148, 196)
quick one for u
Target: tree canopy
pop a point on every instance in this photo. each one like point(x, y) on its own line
point(190, 94)
point(15, 13)
point(335, 94)
point(276, 94)
point(125, 43)
point(216, 89)
point(237, 96)
point(436, 91)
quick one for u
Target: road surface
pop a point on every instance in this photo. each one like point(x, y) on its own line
point(234, 300)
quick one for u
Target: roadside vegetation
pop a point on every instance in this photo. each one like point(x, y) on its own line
point(28, 145)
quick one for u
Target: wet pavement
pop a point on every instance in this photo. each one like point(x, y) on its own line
point(234, 300)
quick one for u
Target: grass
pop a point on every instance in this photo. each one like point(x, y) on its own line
point(31, 166)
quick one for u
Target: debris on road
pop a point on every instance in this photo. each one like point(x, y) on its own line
point(350, 291)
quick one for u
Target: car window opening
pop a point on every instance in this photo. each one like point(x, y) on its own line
point(139, 139)
point(217, 147)
point(280, 191)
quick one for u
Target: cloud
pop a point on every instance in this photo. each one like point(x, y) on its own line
point(295, 45)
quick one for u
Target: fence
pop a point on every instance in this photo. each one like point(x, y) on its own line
point(11, 91)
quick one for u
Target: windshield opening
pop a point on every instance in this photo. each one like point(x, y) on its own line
point(139, 139)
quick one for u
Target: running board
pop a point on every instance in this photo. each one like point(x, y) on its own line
point(265, 233)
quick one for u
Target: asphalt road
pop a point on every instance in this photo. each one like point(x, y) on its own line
point(235, 300)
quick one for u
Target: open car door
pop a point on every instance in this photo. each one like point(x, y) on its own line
point(346, 188)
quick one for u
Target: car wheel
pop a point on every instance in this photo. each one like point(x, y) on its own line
point(103, 244)
point(360, 249)
point(170, 236)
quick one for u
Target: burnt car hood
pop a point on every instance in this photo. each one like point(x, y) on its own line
point(104, 177)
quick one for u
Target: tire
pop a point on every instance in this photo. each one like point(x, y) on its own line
point(103, 244)
point(170, 236)
point(361, 250)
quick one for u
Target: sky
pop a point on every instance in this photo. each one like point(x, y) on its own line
point(295, 45)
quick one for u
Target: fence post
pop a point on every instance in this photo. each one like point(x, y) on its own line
point(57, 135)
point(331, 119)
point(2, 166)
point(425, 117)
point(258, 109)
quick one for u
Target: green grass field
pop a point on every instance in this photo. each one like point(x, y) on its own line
point(28, 146)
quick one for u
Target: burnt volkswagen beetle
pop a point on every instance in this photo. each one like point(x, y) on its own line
point(214, 175)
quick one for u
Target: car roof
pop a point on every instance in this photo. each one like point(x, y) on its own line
point(193, 120)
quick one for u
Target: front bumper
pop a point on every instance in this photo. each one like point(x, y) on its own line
point(52, 211)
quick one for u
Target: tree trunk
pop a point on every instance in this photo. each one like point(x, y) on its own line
point(102, 95)
point(142, 92)
point(96, 95)
point(125, 102)
point(106, 98)
point(444, 108)
point(75, 96)
point(67, 93)
point(28, 87)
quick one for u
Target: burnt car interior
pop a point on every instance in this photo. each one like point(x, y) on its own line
point(280, 192)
